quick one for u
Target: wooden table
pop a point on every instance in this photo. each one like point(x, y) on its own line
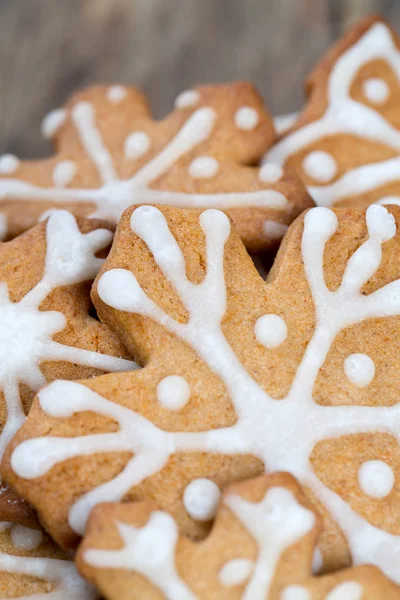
point(50, 47)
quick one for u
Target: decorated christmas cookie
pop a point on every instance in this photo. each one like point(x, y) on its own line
point(242, 376)
point(346, 144)
point(112, 154)
point(32, 567)
point(263, 546)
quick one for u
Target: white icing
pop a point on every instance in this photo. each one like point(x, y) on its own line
point(376, 478)
point(359, 369)
point(24, 538)
point(8, 163)
point(115, 195)
point(26, 331)
point(346, 115)
point(203, 167)
point(45, 214)
point(5, 525)
point(349, 590)
point(270, 173)
point(376, 90)
point(187, 99)
point(283, 122)
point(274, 230)
point(320, 166)
point(285, 440)
point(246, 118)
point(201, 498)
point(317, 561)
point(270, 330)
point(136, 145)
point(150, 551)
point(64, 173)
point(52, 122)
point(236, 572)
point(3, 227)
point(116, 94)
point(173, 392)
point(295, 592)
point(390, 200)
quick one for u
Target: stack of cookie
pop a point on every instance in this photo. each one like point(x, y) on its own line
point(195, 431)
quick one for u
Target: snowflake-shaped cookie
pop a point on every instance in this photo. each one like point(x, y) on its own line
point(298, 374)
point(112, 154)
point(261, 547)
point(346, 143)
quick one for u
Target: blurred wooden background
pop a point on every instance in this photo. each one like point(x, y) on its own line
point(50, 47)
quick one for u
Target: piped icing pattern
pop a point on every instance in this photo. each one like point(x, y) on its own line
point(26, 331)
point(363, 119)
point(115, 180)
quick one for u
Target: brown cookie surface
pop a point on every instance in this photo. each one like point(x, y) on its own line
point(111, 154)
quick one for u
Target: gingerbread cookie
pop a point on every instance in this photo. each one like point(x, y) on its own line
point(31, 566)
point(262, 547)
point(346, 144)
point(241, 376)
point(112, 154)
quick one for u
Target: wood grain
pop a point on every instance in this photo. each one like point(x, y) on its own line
point(48, 48)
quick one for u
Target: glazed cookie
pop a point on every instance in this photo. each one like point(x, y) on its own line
point(346, 143)
point(262, 547)
point(112, 154)
point(241, 376)
point(31, 566)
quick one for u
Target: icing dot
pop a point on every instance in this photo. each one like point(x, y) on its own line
point(23, 538)
point(317, 561)
point(52, 122)
point(9, 163)
point(376, 90)
point(235, 571)
point(349, 590)
point(270, 330)
point(295, 592)
point(246, 118)
point(116, 93)
point(64, 173)
point(136, 144)
point(270, 173)
point(376, 478)
point(187, 99)
point(274, 230)
point(173, 392)
point(359, 369)
point(203, 167)
point(320, 166)
point(201, 499)
point(3, 226)
point(5, 525)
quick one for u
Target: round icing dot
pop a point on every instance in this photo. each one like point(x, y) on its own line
point(270, 330)
point(203, 167)
point(64, 173)
point(52, 122)
point(3, 226)
point(136, 144)
point(116, 93)
point(246, 118)
point(270, 173)
point(359, 369)
point(295, 592)
point(187, 99)
point(8, 163)
point(317, 561)
point(349, 590)
point(274, 230)
point(376, 90)
point(376, 478)
point(235, 572)
point(23, 538)
point(320, 166)
point(201, 499)
point(173, 392)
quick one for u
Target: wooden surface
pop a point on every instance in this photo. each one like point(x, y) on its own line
point(50, 47)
